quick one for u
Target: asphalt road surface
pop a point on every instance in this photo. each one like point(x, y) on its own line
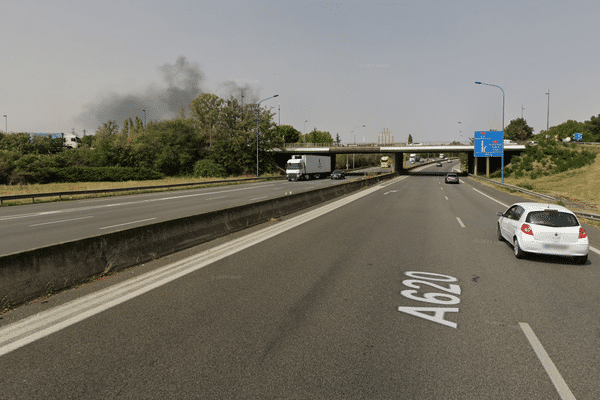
point(400, 291)
point(36, 225)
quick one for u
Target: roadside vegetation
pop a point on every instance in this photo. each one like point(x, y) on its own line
point(211, 137)
point(565, 170)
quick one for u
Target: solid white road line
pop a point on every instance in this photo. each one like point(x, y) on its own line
point(128, 223)
point(557, 379)
point(460, 222)
point(64, 220)
point(491, 198)
point(38, 326)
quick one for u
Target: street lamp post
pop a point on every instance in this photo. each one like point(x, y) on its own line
point(257, 105)
point(144, 119)
point(351, 132)
point(488, 84)
point(547, 116)
point(5, 124)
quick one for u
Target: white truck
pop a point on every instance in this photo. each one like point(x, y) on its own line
point(413, 158)
point(307, 167)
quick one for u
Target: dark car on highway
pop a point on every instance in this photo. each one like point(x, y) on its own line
point(338, 174)
point(451, 178)
point(438, 164)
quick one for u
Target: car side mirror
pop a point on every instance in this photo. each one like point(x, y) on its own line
point(500, 214)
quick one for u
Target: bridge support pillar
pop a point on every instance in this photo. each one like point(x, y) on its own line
point(399, 163)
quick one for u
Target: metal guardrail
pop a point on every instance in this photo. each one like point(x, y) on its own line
point(33, 196)
point(594, 217)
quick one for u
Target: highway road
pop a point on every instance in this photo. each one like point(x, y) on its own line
point(400, 291)
point(41, 224)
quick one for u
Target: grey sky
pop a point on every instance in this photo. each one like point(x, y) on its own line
point(407, 66)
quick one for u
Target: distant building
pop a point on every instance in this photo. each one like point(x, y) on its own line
point(385, 137)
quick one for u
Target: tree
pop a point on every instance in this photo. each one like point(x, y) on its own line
point(172, 147)
point(318, 137)
point(206, 113)
point(410, 139)
point(593, 128)
point(289, 133)
point(518, 130)
point(564, 130)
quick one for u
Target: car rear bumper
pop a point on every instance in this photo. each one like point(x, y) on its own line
point(581, 248)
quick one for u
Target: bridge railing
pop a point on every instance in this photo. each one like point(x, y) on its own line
point(396, 144)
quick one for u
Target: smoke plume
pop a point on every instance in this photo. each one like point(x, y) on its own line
point(244, 94)
point(182, 85)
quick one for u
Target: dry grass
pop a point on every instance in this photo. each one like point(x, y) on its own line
point(582, 184)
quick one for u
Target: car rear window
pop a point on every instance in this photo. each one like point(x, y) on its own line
point(552, 218)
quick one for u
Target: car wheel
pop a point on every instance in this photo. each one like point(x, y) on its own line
point(581, 260)
point(499, 233)
point(518, 252)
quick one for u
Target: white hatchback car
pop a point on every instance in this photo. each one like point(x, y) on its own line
point(545, 229)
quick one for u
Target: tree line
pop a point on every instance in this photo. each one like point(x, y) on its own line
point(211, 137)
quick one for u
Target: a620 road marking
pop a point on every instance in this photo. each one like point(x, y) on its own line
point(446, 298)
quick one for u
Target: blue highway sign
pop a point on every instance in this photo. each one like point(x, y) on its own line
point(489, 144)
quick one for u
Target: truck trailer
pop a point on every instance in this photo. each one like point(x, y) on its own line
point(307, 167)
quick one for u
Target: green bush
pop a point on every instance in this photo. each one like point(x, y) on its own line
point(526, 186)
point(209, 169)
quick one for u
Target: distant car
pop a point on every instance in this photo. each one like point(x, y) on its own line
point(338, 174)
point(532, 143)
point(451, 178)
point(439, 164)
point(545, 229)
point(449, 160)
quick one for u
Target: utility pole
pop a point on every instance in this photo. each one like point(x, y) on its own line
point(548, 116)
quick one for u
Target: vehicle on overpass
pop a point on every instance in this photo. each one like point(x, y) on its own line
point(307, 167)
point(544, 229)
point(385, 162)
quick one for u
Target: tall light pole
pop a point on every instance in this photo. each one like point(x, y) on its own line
point(351, 132)
point(144, 119)
point(463, 123)
point(481, 83)
point(257, 105)
point(548, 116)
point(5, 124)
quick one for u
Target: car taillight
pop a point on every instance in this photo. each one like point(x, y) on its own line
point(582, 233)
point(526, 229)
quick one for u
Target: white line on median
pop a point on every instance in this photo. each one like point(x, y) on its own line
point(258, 198)
point(64, 220)
point(460, 222)
point(128, 223)
point(557, 379)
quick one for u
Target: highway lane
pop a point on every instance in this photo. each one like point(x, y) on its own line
point(42, 224)
point(324, 309)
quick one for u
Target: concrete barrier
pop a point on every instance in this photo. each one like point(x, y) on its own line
point(34, 273)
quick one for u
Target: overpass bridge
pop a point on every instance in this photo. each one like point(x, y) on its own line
point(476, 165)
